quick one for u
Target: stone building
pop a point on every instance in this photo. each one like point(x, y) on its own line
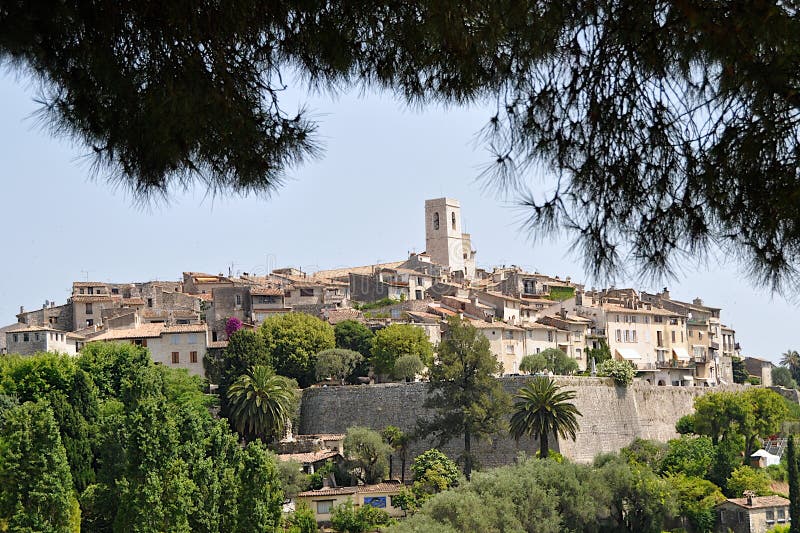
point(752, 514)
point(445, 242)
point(56, 316)
point(27, 340)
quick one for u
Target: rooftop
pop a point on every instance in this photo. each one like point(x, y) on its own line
point(760, 502)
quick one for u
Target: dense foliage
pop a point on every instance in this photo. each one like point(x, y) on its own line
point(397, 340)
point(367, 454)
point(142, 440)
point(293, 340)
point(337, 363)
point(622, 372)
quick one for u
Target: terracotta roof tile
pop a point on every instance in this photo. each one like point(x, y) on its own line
point(310, 457)
point(386, 486)
point(149, 331)
point(760, 501)
point(266, 291)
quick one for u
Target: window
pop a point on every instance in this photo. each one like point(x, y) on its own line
point(538, 350)
point(52, 320)
point(36, 336)
point(149, 302)
point(192, 338)
point(213, 336)
point(238, 299)
point(770, 515)
point(176, 358)
point(509, 335)
point(509, 348)
point(453, 219)
point(673, 336)
point(699, 335)
point(619, 335)
point(549, 336)
point(436, 221)
point(81, 290)
point(419, 280)
point(16, 337)
point(633, 335)
point(324, 506)
point(681, 336)
point(618, 320)
point(175, 339)
point(88, 309)
point(658, 319)
point(627, 318)
point(90, 290)
point(633, 319)
point(577, 353)
point(25, 337)
point(627, 335)
point(691, 334)
point(192, 357)
point(140, 342)
point(781, 515)
point(306, 292)
point(89, 322)
point(114, 291)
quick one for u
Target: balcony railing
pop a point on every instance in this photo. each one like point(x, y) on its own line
point(674, 364)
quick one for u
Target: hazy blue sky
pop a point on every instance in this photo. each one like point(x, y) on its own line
point(361, 202)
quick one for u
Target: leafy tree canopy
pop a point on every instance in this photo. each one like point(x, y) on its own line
point(397, 340)
point(649, 113)
point(293, 341)
point(367, 453)
point(407, 367)
point(337, 363)
point(353, 335)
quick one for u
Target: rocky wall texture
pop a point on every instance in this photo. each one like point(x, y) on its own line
point(612, 416)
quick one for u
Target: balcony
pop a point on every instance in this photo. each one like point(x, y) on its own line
point(673, 363)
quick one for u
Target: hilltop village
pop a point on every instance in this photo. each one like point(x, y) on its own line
point(670, 342)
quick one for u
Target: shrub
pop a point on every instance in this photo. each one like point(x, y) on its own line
point(622, 372)
point(347, 519)
point(748, 478)
point(407, 367)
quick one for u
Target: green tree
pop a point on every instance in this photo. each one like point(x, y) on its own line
point(543, 409)
point(353, 335)
point(469, 401)
point(599, 354)
point(434, 472)
point(748, 478)
point(622, 372)
point(717, 414)
point(407, 367)
point(783, 377)
point(647, 452)
point(791, 359)
point(794, 485)
point(337, 363)
point(294, 340)
point(36, 489)
point(397, 340)
point(399, 441)
point(533, 363)
point(691, 456)
point(302, 520)
point(766, 412)
point(740, 374)
point(696, 499)
point(246, 349)
point(260, 494)
point(367, 454)
point(559, 362)
point(109, 363)
point(293, 479)
point(346, 518)
point(727, 457)
point(261, 404)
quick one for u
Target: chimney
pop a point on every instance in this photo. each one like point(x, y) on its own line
point(563, 313)
point(665, 293)
point(21, 309)
point(697, 301)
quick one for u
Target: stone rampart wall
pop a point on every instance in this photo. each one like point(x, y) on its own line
point(612, 416)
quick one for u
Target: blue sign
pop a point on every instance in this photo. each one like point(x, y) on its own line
point(376, 501)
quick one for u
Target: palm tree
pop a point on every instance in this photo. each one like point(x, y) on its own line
point(791, 360)
point(261, 403)
point(541, 410)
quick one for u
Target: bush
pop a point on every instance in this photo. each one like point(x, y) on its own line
point(622, 372)
point(302, 520)
point(533, 363)
point(782, 377)
point(748, 478)
point(347, 519)
point(407, 367)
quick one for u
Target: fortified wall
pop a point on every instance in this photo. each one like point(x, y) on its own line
point(612, 416)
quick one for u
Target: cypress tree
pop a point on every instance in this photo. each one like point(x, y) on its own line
point(794, 487)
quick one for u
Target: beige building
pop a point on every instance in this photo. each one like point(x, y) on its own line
point(753, 514)
point(506, 341)
point(539, 337)
point(506, 308)
point(267, 301)
point(380, 495)
point(572, 332)
point(176, 346)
